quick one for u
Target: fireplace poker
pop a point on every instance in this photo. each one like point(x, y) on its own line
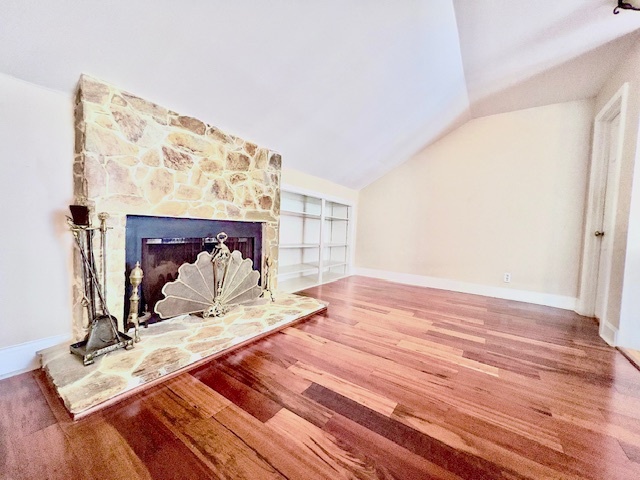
point(103, 234)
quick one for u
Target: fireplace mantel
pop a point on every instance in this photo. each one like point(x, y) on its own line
point(134, 157)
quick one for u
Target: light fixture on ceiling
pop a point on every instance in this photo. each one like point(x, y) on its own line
point(625, 6)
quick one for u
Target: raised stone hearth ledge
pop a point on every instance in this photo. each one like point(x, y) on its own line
point(165, 349)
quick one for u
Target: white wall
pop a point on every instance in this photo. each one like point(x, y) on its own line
point(503, 193)
point(36, 151)
point(625, 297)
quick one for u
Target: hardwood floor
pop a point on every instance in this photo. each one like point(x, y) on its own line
point(392, 382)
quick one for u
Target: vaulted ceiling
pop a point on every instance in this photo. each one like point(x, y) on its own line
point(344, 89)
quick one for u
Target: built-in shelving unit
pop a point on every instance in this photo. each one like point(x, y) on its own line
point(315, 240)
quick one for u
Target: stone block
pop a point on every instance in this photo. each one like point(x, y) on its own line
point(186, 192)
point(120, 180)
point(209, 165)
point(221, 191)
point(191, 144)
point(171, 209)
point(189, 123)
point(125, 204)
point(176, 160)
point(238, 161)
point(151, 158)
point(220, 136)
point(95, 176)
point(105, 142)
point(236, 178)
point(158, 113)
point(93, 91)
point(158, 185)
point(202, 211)
point(127, 161)
point(258, 216)
point(265, 202)
point(275, 162)
point(130, 124)
point(118, 100)
point(141, 173)
point(198, 178)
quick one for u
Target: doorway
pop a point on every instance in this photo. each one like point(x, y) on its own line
point(598, 252)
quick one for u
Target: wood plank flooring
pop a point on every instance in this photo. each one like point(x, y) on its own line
point(393, 382)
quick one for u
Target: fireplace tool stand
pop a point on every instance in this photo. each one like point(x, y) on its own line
point(103, 336)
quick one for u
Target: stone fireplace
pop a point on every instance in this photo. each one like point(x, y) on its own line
point(136, 158)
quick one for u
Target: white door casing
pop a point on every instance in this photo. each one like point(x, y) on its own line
point(595, 278)
point(608, 200)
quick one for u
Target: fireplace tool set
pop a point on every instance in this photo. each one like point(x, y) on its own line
point(103, 335)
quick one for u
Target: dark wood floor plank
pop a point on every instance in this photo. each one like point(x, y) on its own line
point(284, 389)
point(223, 453)
point(102, 452)
point(242, 395)
point(459, 462)
point(361, 395)
point(197, 394)
point(391, 459)
point(164, 455)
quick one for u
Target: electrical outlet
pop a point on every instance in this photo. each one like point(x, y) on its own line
point(507, 277)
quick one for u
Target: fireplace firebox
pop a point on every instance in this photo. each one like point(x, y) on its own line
point(163, 244)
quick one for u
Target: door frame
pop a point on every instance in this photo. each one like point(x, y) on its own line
point(586, 304)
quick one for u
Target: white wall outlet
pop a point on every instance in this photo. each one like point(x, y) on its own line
point(507, 278)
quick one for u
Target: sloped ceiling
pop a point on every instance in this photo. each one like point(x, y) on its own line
point(344, 89)
point(519, 54)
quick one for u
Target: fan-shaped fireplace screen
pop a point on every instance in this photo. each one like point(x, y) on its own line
point(163, 244)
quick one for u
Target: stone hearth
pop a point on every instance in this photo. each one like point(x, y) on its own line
point(166, 348)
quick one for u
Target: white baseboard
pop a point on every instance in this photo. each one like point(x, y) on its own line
point(608, 333)
point(22, 357)
point(550, 300)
